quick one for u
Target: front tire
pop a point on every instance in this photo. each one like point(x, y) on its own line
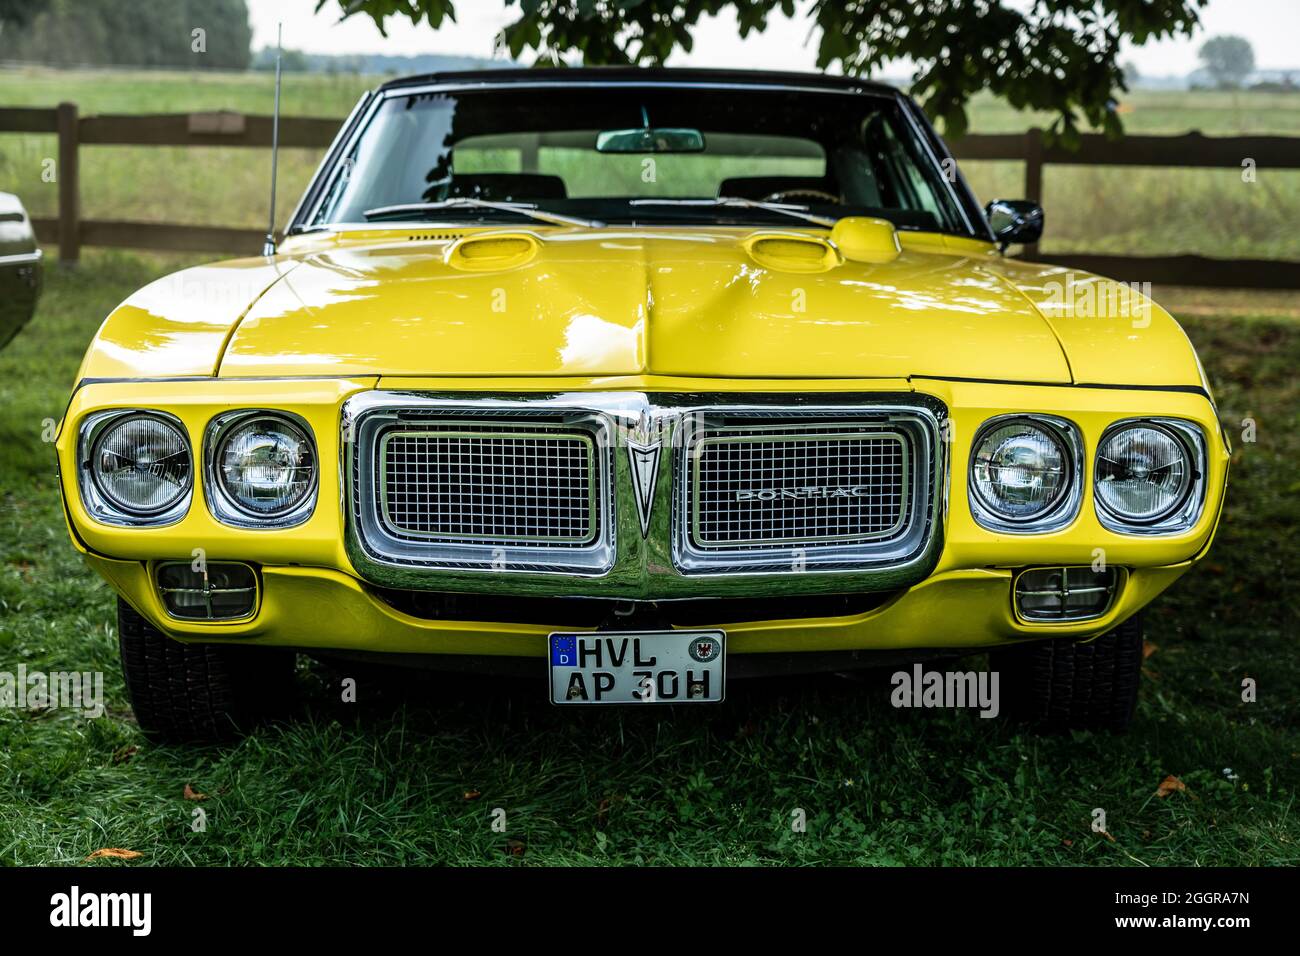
point(198, 692)
point(1064, 685)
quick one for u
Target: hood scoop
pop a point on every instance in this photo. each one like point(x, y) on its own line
point(493, 251)
point(791, 252)
point(855, 238)
point(864, 239)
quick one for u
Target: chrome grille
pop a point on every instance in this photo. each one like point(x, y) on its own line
point(540, 491)
point(479, 485)
point(756, 488)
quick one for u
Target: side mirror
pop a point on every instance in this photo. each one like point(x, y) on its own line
point(1014, 220)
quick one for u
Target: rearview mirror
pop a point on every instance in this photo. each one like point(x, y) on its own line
point(1014, 220)
point(650, 139)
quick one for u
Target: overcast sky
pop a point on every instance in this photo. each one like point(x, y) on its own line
point(1272, 27)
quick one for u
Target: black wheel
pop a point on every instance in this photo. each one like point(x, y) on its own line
point(1060, 685)
point(199, 692)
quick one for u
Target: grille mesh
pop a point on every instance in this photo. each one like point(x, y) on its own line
point(508, 487)
point(756, 490)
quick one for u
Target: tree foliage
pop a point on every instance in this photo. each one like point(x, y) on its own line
point(1056, 55)
point(114, 33)
point(18, 13)
point(1228, 60)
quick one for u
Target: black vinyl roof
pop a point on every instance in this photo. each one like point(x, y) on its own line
point(624, 74)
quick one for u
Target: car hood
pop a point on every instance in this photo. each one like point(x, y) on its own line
point(604, 303)
point(684, 302)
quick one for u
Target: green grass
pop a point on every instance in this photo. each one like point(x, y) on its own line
point(216, 186)
point(1213, 112)
point(1119, 210)
point(392, 779)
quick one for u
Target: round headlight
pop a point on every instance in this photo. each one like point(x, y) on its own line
point(1020, 470)
point(141, 464)
point(266, 466)
point(1143, 472)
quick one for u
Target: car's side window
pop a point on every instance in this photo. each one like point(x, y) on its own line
point(902, 184)
point(403, 150)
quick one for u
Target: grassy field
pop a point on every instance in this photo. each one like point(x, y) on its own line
point(413, 772)
point(1139, 211)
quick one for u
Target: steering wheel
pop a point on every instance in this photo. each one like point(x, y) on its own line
point(818, 195)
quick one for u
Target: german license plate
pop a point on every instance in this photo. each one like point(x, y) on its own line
point(637, 667)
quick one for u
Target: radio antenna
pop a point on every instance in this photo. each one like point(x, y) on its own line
point(268, 247)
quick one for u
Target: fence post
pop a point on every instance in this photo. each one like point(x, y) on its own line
point(1033, 175)
point(69, 190)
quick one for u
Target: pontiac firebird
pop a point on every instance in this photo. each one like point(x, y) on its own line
point(639, 382)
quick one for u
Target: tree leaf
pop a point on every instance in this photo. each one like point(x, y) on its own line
point(115, 853)
point(1170, 784)
point(1061, 56)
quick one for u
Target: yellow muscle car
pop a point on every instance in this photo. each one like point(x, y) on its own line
point(639, 382)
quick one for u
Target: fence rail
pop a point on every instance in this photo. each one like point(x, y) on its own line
point(225, 128)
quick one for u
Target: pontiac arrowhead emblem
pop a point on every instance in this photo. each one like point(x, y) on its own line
point(643, 455)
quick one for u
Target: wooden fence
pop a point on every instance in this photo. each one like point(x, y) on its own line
point(71, 231)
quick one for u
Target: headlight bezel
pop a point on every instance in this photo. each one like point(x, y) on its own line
point(1064, 510)
point(222, 505)
point(1184, 515)
point(97, 503)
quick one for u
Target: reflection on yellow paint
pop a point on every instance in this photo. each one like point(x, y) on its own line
point(623, 301)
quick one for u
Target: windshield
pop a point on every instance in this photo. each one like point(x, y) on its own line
point(623, 153)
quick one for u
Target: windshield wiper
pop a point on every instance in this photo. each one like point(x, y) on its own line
point(468, 202)
point(786, 209)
